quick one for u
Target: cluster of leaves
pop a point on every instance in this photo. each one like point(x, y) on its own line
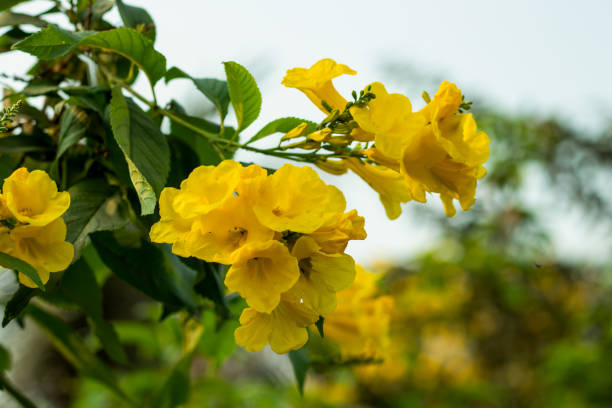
point(114, 153)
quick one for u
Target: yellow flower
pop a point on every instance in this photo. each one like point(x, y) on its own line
point(316, 83)
point(322, 275)
point(390, 185)
point(207, 188)
point(390, 118)
point(299, 131)
point(4, 211)
point(172, 228)
point(360, 323)
point(334, 236)
point(335, 167)
point(32, 198)
point(296, 199)
point(43, 247)
point(260, 272)
point(284, 328)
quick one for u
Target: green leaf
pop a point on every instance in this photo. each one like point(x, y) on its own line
point(214, 89)
point(79, 285)
point(135, 16)
point(13, 19)
point(175, 391)
point(145, 149)
point(73, 126)
point(300, 363)
point(5, 359)
point(282, 125)
point(319, 323)
point(244, 94)
point(132, 45)
point(24, 144)
point(10, 262)
point(50, 42)
point(53, 42)
point(95, 206)
point(11, 37)
point(18, 303)
point(70, 345)
point(151, 268)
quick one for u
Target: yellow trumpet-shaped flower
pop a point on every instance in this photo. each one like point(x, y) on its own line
point(390, 185)
point(172, 228)
point(284, 328)
point(316, 82)
point(260, 272)
point(32, 197)
point(4, 211)
point(296, 199)
point(207, 188)
point(322, 275)
point(43, 247)
point(335, 167)
point(334, 236)
point(360, 323)
point(390, 118)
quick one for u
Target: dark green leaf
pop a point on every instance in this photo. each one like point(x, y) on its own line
point(50, 42)
point(11, 37)
point(133, 46)
point(175, 391)
point(5, 359)
point(72, 128)
point(319, 323)
point(135, 16)
point(282, 125)
point(175, 73)
point(300, 363)
point(211, 284)
point(13, 19)
point(10, 262)
point(244, 94)
point(153, 269)
point(18, 303)
point(24, 144)
point(68, 343)
point(144, 146)
point(95, 206)
point(79, 285)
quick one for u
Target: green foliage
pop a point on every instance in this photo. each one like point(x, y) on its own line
point(11, 262)
point(145, 149)
point(300, 363)
point(243, 93)
point(5, 359)
point(135, 17)
point(282, 125)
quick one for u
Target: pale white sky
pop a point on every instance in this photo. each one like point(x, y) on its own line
point(523, 56)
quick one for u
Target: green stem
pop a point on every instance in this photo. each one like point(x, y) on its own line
point(6, 385)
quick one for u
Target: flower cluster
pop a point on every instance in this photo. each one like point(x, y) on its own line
point(437, 149)
point(31, 224)
point(284, 236)
point(360, 323)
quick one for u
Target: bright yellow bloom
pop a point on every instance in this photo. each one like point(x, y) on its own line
point(360, 323)
point(260, 272)
point(299, 131)
point(207, 188)
point(43, 247)
point(171, 228)
point(4, 211)
point(334, 236)
point(390, 118)
point(322, 275)
point(296, 199)
point(32, 198)
point(316, 83)
point(448, 154)
point(390, 185)
point(284, 328)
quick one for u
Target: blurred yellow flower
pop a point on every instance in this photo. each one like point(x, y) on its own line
point(32, 197)
point(260, 272)
point(390, 185)
point(296, 199)
point(172, 228)
point(43, 247)
point(284, 328)
point(334, 236)
point(316, 82)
